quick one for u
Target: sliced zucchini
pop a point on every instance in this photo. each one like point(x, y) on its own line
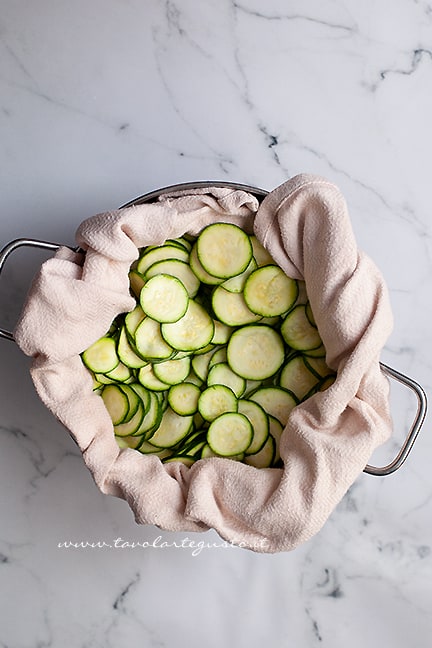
point(193, 331)
point(298, 332)
point(264, 458)
point(261, 256)
point(199, 368)
point(160, 253)
point(164, 298)
point(297, 377)
point(275, 401)
point(121, 373)
point(116, 402)
point(220, 355)
point(318, 366)
point(222, 332)
point(216, 400)
point(133, 442)
point(130, 427)
point(255, 352)
point(184, 459)
point(237, 283)
point(309, 314)
point(133, 400)
point(136, 281)
point(126, 352)
point(172, 372)
point(269, 292)
point(101, 356)
point(183, 399)
point(229, 434)
point(148, 379)
point(149, 448)
point(224, 250)
point(259, 421)
point(231, 308)
point(222, 374)
point(199, 271)
point(151, 418)
point(172, 429)
point(178, 269)
point(276, 429)
point(149, 341)
point(133, 319)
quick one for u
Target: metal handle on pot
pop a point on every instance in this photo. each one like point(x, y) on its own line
point(415, 426)
point(392, 373)
point(11, 247)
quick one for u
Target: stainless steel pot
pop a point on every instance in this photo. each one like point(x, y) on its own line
point(411, 384)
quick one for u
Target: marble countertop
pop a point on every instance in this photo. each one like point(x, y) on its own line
point(103, 101)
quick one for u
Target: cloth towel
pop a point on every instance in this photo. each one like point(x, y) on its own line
point(329, 438)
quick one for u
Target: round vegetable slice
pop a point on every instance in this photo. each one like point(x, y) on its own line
point(268, 291)
point(275, 401)
point(116, 402)
point(179, 269)
point(183, 399)
point(172, 429)
point(216, 400)
point(192, 331)
point(164, 298)
point(298, 332)
point(255, 352)
point(101, 356)
point(224, 250)
point(229, 434)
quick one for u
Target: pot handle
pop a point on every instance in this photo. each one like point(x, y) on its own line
point(11, 247)
point(392, 373)
point(415, 426)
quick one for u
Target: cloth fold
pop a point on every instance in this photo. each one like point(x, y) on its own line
point(329, 438)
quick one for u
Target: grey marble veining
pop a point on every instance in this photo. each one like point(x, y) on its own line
point(103, 101)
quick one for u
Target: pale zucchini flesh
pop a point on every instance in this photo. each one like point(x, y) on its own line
point(224, 250)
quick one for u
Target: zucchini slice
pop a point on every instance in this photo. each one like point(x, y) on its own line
point(298, 332)
point(116, 402)
point(101, 356)
point(265, 457)
point(130, 427)
point(183, 399)
point(199, 271)
point(275, 401)
point(172, 372)
point(160, 253)
point(172, 429)
point(164, 298)
point(224, 250)
point(269, 292)
point(149, 341)
point(192, 331)
point(179, 269)
point(298, 377)
point(255, 352)
point(222, 374)
point(231, 308)
point(216, 400)
point(261, 256)
point(126, 353)
point(229, 434)
point(259, 421)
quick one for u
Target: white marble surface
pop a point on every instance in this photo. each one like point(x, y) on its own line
point(102, 101)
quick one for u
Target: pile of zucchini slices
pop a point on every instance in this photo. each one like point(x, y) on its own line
point(219, 349)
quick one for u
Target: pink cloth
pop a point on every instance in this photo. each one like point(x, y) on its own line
point(328, 440)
